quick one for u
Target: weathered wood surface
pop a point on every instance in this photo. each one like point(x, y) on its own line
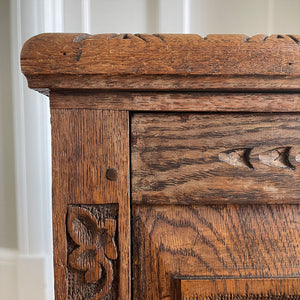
point(190, 158)
point(210, 242)
point(188, 101)
point(177, 62)
point(238, 289)
point(85, 144)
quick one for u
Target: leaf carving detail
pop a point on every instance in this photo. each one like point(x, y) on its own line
point(97, 247)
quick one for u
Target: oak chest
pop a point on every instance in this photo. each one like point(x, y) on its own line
point(176, 164)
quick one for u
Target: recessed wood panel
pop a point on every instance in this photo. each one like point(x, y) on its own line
point(210, 242)
point(215, 158)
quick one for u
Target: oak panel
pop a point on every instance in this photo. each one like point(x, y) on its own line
point(211, 242)
point(191, 158)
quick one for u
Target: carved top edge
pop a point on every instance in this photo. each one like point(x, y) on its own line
point(185, 55)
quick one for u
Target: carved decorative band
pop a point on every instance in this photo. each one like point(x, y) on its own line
point(92, 251)
point(278, 157)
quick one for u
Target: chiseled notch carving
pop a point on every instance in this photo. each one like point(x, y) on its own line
point(278, 157)
point(94, 252)
point(237, 157)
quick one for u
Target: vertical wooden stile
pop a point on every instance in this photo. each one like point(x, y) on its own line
point(91, 212)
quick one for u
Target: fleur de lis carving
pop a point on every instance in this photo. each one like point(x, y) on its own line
point(96, 246)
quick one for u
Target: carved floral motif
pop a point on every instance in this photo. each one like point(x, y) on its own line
point(97, 247)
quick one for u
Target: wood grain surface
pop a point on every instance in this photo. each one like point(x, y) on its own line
point(212, 127)
point(85, 144)
point(179, 83)
point(178, 62)
point(230, 289)
point(178, 101)
point(214, 242)
point(190, 158)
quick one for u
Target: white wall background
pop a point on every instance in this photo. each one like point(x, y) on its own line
point(25, 162)
point(8, 230)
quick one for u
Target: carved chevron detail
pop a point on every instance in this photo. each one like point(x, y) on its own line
point(237, 157)
point(277, 157)
point(259, 39)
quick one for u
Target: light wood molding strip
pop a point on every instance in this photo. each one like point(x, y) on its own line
point(254, 288)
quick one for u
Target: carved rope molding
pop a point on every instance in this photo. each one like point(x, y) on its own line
point(277, 157)
point(169, 62)
point(259, 38)
point(167, 54)
point(97, 248)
